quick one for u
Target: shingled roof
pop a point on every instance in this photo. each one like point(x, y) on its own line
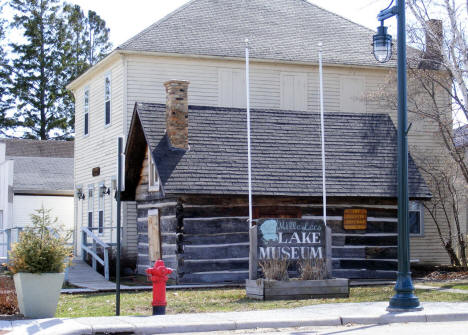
point(48, 175)
point(285, 30)
point(286, 160)
point(41, 167)
point(36, 148)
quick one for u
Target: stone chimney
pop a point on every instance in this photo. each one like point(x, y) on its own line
point(177, 113)
point(434, 42)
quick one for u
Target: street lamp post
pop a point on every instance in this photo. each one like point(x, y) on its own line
point(404, 299)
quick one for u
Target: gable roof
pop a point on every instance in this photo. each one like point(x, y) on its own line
point(284, 30)
point(41, 167)
point(36, 148)
point(43, 175)
point(286, 158)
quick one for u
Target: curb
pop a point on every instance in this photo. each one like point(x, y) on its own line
point(316, 315)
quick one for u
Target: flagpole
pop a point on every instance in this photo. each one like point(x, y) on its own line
point(247, 87)
point(322, 127)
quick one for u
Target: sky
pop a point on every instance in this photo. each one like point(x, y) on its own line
point(127, 18)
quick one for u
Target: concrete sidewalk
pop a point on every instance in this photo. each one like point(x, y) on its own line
point(316, 315)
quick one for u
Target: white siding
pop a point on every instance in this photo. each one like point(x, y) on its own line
point(293, 91)
point(231, 88)
point(211, 83)
point(60, 206)
point(99, 148)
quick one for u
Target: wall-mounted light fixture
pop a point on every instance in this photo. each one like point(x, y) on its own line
point(79, 194)
point(104, 190)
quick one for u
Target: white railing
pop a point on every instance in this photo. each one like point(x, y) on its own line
point(92, 249)
point(7, 238)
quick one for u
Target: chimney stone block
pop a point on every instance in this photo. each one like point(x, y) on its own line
point(177, 113)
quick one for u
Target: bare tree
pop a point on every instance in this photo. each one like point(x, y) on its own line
point(437, 94)
point(449, 195)
point(438, 28)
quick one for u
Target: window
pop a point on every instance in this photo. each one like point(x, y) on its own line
point(107, 99)
point(101, 208)
point(86, 111)
point(90, 206)
point(232, 91)
point(153, 180)
point(351, 97)
point(416, 218)
point(293, 91)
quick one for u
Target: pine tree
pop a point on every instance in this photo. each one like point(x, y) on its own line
point(60, 44)
point(6, 102)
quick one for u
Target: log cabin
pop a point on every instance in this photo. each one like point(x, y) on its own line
point(186, 168)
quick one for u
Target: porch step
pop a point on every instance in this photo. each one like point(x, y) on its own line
point(82, 275)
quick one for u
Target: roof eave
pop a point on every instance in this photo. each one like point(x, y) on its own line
point(109, 59)
point(242, 59)
point(20, 191)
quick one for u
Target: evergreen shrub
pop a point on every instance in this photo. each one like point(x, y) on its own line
point(42, 248)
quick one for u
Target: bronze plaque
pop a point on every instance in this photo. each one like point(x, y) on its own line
point(355, 219)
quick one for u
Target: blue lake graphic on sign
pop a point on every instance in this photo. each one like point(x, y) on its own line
point(269, 231)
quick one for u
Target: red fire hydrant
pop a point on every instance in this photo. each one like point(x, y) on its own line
point(158, 275)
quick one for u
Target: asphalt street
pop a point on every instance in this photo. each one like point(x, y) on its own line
point(413, 328)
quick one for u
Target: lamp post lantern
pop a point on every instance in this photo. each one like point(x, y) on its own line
point(404, 298)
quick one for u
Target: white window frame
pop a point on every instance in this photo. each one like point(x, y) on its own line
point(101, 209)
point(153, 178)
point(90, 207)
point(86, 112)
point(107, 99)
point(417, 206)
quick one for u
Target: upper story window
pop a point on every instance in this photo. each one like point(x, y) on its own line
point(293, 91)
point(101, 190)
point(416, 218)
point(153, 180)
point(86, 111)
point(90, 205)
point(107, 99)
point(231, 88)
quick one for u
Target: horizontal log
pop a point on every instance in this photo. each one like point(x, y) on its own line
point(190, 266)
point(372, 227)
point(382, 253)
point(371, 240)
point(168, 224)
point(220, 251)
point(212, 211)
point(218, 225)
point(368, 264)
point(214, 277)
point(364, 274)
point(349, 252)
point(200, 199)
point(236, 237)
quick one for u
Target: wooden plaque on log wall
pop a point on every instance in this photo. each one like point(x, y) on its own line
point(355, 219)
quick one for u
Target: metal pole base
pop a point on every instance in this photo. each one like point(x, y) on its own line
point(404, 300)
point(159, 310)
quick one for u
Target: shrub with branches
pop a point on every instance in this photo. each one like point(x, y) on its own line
point(275, 269)
point(42, 247)
point(312, 269)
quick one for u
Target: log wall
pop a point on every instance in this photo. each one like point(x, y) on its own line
point(206, 240)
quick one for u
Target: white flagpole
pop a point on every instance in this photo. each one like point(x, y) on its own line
point(247, 87)
point(322, 127)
